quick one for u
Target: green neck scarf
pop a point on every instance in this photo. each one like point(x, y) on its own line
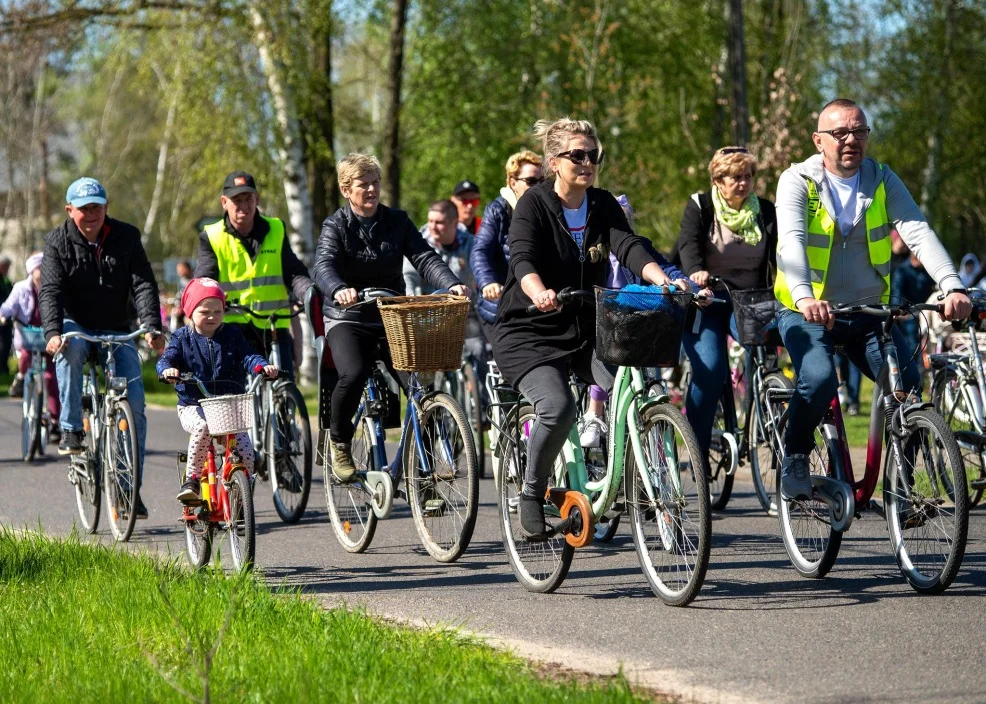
point(742, 222)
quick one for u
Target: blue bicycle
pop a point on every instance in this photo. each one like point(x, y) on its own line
point(435, 457)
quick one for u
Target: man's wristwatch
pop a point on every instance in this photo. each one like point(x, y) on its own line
point(957, 290)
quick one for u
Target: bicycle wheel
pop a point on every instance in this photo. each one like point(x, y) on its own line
point(539, 566)
point(721, 458)
point(445, 499)
point(31, 418)
point(673, 531)
point(120, 471)
point(806, 526)
point(954, 407)
point(240, 528)
point(926, 503)
point(85, 475)
point(198, 545)
point(290, 446)
point(351, 505)
point(472, 404)
point(764, 461)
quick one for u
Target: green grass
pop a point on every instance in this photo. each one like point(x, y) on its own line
point(82, 622)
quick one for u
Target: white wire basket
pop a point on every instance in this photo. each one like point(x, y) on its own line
point(228, 414)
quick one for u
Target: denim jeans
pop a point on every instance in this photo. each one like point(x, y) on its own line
point(812, 350)
point(68, 368)
point(706, 346)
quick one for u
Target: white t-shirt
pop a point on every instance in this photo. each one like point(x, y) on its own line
point(845, 193)
point(575, 219)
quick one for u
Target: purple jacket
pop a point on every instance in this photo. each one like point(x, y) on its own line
point(21, 305)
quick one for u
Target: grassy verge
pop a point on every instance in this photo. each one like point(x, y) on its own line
point(82, 622)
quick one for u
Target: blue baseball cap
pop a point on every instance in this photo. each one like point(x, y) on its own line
point(85, 191)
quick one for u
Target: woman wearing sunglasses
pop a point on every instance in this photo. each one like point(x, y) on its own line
point(491, 252)
point(730, 233)
point(559, 237)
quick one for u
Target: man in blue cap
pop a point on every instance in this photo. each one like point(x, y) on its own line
point(93, 265)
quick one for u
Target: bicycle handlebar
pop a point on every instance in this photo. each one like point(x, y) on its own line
point(270, 317)
point(186, 377)
point(886, 310)
point(110, 339)
point(567, 295)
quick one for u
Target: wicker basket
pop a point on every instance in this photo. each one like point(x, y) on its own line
point(228, 414)
point(32, 338)
point(425, 333)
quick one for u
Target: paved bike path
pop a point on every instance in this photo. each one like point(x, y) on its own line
point(757, 631)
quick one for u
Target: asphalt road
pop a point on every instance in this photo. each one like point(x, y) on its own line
point(757, 631)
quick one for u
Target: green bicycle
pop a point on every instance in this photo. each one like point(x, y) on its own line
point(665, 482)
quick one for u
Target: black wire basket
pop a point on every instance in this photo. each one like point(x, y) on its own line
point(756, 315)
point(637, 329)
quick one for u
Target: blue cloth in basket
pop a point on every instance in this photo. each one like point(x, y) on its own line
point(639, 297)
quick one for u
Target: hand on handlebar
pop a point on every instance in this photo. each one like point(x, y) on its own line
point(816, 311)
point(957, 306)
point(701, 278)
point(270, 371)
point(155, 341)
point(170, 375)
point(546, 301)
point(54, 345)
point(492, 292)
point(460, 290)
point(346, 297)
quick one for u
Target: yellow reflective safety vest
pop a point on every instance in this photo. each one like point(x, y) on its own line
point(820, 238)
point(255, 284)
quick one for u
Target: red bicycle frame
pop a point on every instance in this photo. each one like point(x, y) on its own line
point(213, 491)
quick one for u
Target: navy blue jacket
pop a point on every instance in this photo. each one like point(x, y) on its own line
point(490, 253)
point(222, 362)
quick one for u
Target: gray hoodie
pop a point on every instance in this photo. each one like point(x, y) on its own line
point(851, 277)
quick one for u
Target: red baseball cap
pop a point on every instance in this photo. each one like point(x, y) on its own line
point(197, 291)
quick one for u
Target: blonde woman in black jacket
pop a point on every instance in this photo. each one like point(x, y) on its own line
point(554, 229)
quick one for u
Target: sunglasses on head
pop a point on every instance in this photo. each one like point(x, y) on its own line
point(734, 150)
point(530, 180)
point(579, 156)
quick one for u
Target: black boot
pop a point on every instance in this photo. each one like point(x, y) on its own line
point(532, 523)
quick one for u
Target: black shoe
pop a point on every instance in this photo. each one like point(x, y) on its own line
point(16, 389)
point(140, 509)
point(532, 523)
point(71, 443)
point(54, 433)
point(795, 478)
point(190, 493)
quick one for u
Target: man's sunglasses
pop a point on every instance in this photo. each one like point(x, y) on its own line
point(530, 180)
point(469, 201)
point(579, 156)
point(841, 134)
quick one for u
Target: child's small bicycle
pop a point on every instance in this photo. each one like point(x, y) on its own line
point(36, 422)
point(226, 504)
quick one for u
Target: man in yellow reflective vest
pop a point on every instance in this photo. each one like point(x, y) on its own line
point(835, 212)
point(250, 256)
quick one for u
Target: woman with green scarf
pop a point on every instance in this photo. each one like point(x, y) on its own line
point(730, 233)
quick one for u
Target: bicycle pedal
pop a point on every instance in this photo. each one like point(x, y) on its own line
point(978, 483)
point(434, 508)
point(183, 457)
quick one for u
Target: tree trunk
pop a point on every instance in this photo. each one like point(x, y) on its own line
point(293, 167)
point(325, 193)
point(395, 72)
point(737, 66)
point(162, 164)
point(939, 124)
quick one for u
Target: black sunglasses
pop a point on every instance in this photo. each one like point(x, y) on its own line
point(578, 156)
point(841, 134)
point(530, 180)
point(734, 150)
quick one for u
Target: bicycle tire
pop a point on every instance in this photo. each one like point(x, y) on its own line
point(31, 418)
point(198, 546)
point(937, 493)
point(120, 471)
point(350, 505)
point(675, 559)
point(291, 484)
point(720, 460)
point(242, 549)
point(539, 566)
point(443, 426)
point(764, 461)
point(951, 405)
point(811, 543)
point(472, 404)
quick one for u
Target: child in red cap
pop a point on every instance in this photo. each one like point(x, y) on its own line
point(222, 358)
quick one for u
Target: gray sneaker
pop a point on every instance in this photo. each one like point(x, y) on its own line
point(795, 478)
point(342, 461)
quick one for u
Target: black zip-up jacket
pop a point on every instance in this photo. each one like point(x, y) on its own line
point(93, 284)
point(540, 243)
point(350, 256)
point(296, 278)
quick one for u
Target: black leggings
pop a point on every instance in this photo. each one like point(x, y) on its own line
point(355, 351)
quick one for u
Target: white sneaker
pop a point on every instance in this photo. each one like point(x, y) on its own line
point(591, 430)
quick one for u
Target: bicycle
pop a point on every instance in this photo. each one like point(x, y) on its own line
point(920, 501)
point(435, 458)
point(732, 445)
point(226, 503)
point(665, 482)
point(959, 391)
point(463, 385)
point(111, 454)
point(283, 440)
point(36, 421)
